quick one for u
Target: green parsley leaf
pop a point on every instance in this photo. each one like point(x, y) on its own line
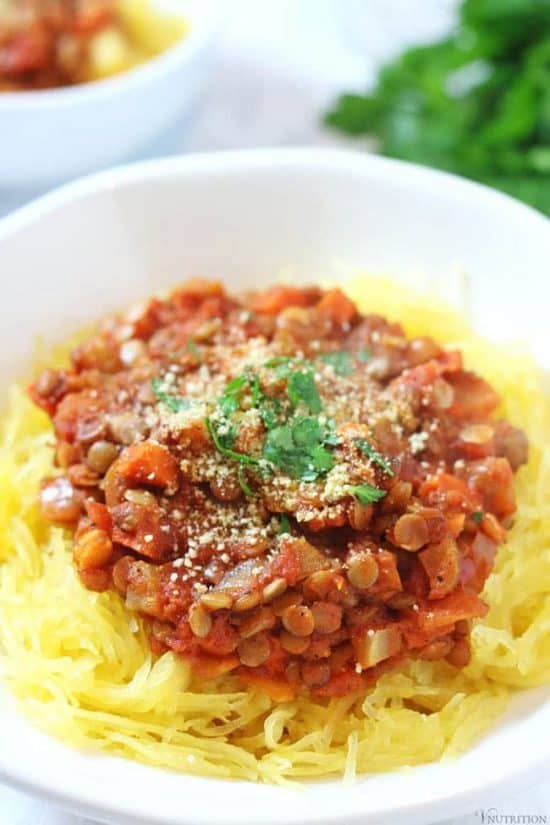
point(306, 432)
point(301, 387)
point(330, 436)
point(193, 349)
point(341, 361)
point(364, 354)
point(366, 493)
point(245, 487)
point(284, 365)
point(255, 391)
point(270, 410)
point(297, 449)
point(173, 402)
point(322, 459)
point(221, 444)
point(284, 524)
point(230, 399)
point(477, 516)
point(376, 457)
point(278, 361)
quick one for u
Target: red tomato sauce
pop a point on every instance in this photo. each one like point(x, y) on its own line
point(289, 490)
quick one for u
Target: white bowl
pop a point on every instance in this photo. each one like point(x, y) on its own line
point(53, 135)
point(97, 244)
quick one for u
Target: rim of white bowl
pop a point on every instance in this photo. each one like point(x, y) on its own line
point(404, 172)
point(203, 29)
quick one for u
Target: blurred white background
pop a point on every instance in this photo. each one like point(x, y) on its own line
point(279, 64)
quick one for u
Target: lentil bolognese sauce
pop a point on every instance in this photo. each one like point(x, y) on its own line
point(290, 491)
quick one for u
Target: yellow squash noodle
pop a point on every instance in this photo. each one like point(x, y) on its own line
point(80, 666)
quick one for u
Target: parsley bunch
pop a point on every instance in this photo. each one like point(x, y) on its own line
point(476, 103)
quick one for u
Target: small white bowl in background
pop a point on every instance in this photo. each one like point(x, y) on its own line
point(104, 242)
point(53, 135)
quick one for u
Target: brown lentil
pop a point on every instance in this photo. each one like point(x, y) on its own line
point(200, 621)
point(362, 571)
point(93, 548)
point(327, 617)
point(411, 532)
point(247, 602)
point(101, 455)
point(254, 651)
point(298, 620)
point(275, 588)
point(286, 599)
point(216, 600)
point(293, 644)
point(261, 619)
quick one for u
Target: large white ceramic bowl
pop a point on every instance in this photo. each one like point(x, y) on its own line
point(53, 135)
point(99, 243)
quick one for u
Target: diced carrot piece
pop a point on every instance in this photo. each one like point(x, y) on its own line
point(273, 300)
point(441, 563)
point(276, 689)
point(442, 482)
point(421, 376)
point(451, 361)
point(201, 288)
point(145, 464)
point(296, 560)
point(493, 480)
point(210, 667)
point(437, 615)
point(388, 579)
point(99, 514)
point(474, 398)
point(336, 305)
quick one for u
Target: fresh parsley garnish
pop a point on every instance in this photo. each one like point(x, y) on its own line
point(284, 524)
point(174, 403)
point(341, 361)
point(376, 457)
point(243, 483)
point(366, 493)
point(284, 365)
point(223, 441)
point(477, 516)
point(281, 363)
point(299, 448)
point(301, 387)
point(296, 443)
point(271, 410)
point(364, 354)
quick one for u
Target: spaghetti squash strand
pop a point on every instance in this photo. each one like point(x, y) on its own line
point(82, 669)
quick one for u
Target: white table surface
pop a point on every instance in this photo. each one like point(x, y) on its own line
point(280, 62)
